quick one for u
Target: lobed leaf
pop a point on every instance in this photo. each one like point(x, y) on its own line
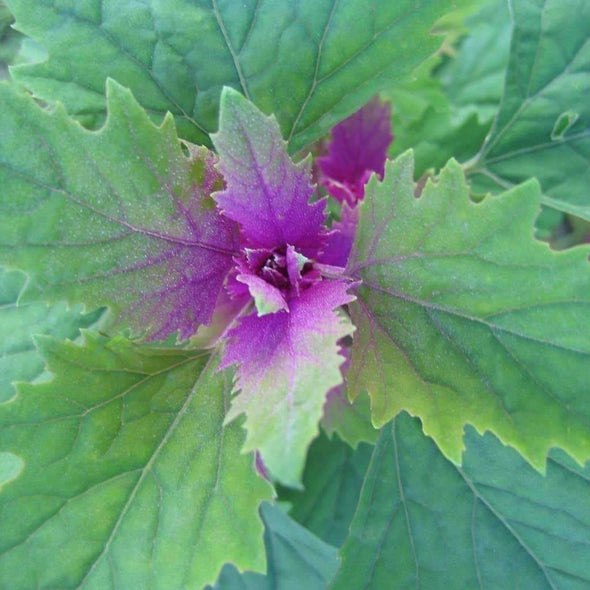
point(118, 218)
point(287, 362)
point(130, 479)
point(311, 63)
point(463, 317)
point(492, 523)
point(266, 193)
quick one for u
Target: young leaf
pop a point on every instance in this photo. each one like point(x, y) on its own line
point(333, 477)
point(357, 148)
point(463, 317)
point(19, 361)
point(119, 218)
point(311, 63)
point(296, 558)
point(130, 479)
point(288, 361)
point(266, 193)
point(493, 523)
point(543, 126)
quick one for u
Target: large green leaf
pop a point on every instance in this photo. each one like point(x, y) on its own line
point(310, 63)
point(493, 523)
point(543, 126)
point(19, 361)
point(332, 480)
point(130, 479)
point(296, 558)
point(118, 218)
point(463, 317)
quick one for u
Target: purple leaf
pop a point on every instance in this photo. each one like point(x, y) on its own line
point(357, 149)
point(266, 193)
point(339, 241)
point(287, 361)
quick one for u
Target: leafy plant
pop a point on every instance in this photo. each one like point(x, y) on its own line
point(262, 328)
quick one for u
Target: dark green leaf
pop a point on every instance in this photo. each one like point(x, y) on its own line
point(494, 523)
point(543, 126)
point(296, 559)
point(332, 480)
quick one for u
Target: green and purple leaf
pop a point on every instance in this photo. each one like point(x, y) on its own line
point(287, 362)
point(266, 193)
point(463, 317)
point(118, 218)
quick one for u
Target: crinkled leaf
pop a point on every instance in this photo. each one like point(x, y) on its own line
point(463, 317)
point(333, 477)
point(493, 523)
point(287, 361)
point(266, 193)
point(130, 479)
point(119, 218)
point(311, 63)
point(296, 558)
point(19, 361)
point(543, 126)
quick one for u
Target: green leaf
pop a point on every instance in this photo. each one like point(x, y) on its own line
point(543, 126)
point(463, 317)
point(332, 480)
point(296, 558)
point(473, 78)
point(130, 480)
point(118, 218)
point(310, 63)
point(493, 523)
point(426, 121)
point(351, 421)
point(19, 360)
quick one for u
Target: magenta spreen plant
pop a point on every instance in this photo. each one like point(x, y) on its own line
point(360, 368)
